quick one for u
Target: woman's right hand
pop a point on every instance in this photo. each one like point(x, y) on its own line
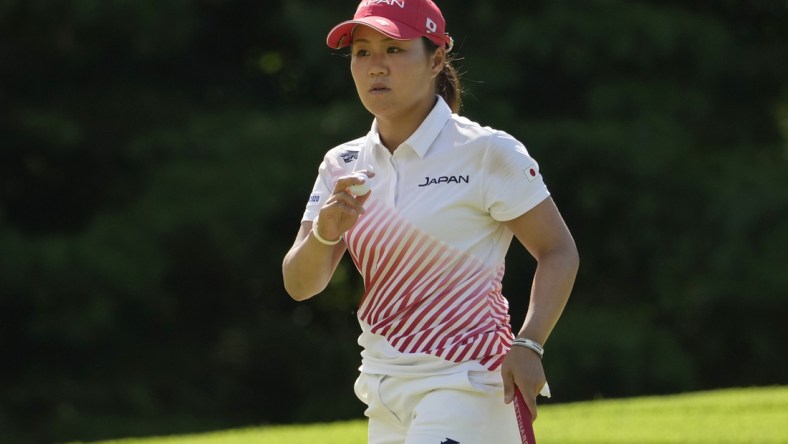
point(342, 209)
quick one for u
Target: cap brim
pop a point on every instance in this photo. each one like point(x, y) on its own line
point(342, 34)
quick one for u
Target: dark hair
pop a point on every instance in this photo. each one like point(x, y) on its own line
point(448, 81)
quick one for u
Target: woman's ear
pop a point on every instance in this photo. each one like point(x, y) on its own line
point(438, 60)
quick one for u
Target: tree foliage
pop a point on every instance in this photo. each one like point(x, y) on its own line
point(156, 158)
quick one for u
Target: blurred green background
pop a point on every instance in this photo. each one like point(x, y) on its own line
point(156, 156)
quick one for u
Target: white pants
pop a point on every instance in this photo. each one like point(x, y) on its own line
point(458, 408)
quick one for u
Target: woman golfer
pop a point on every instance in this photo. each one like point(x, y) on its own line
point(440, 363)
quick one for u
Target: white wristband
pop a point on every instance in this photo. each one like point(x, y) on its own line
point(529, 344)
point(320, 238)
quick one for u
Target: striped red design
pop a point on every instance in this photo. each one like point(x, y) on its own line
point(425, 296)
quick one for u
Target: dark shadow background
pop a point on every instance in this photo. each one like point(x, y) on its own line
point(156, 156)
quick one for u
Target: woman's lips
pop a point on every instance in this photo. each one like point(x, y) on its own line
point(378, 88)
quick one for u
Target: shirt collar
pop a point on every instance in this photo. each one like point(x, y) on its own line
point(421, 140)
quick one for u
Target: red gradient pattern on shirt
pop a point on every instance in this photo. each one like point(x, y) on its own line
point(425, 296)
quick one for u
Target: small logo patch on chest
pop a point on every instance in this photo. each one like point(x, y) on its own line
point(349, 156)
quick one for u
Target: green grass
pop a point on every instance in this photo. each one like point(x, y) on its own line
point(756, 415)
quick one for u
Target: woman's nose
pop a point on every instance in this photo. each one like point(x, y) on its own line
point(377, 65)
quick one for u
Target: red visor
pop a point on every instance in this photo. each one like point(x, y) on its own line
point(398, 19)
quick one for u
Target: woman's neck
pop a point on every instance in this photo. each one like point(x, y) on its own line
point(396, 130)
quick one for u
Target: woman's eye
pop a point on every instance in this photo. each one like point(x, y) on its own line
point(362, 53)
point(394, 49)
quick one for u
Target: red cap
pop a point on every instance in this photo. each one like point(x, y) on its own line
point(398, 19)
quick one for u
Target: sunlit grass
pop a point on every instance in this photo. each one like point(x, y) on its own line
point(346, 432)
point(725, 416)
point(757, 415)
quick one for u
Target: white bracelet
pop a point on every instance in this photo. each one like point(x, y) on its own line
point(529, 344)
point(320, 238)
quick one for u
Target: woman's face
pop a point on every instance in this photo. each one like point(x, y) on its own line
point(394, 78)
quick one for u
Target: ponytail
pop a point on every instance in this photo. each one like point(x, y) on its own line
point(447, 84)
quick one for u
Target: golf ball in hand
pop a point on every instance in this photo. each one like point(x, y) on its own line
point(360, 189)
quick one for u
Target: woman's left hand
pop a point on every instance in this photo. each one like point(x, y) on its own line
point(522, 370)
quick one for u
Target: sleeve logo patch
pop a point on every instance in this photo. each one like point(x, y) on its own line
point(532, 172)
point(314, 199)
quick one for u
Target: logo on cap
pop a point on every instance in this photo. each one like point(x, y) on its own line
point(431, 25)
point(400, 3)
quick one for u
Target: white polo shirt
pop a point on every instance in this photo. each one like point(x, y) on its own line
point(431, 245)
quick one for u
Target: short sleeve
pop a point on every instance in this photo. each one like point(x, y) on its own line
point(337, 162)
point(513, 182)
point(320, 192)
